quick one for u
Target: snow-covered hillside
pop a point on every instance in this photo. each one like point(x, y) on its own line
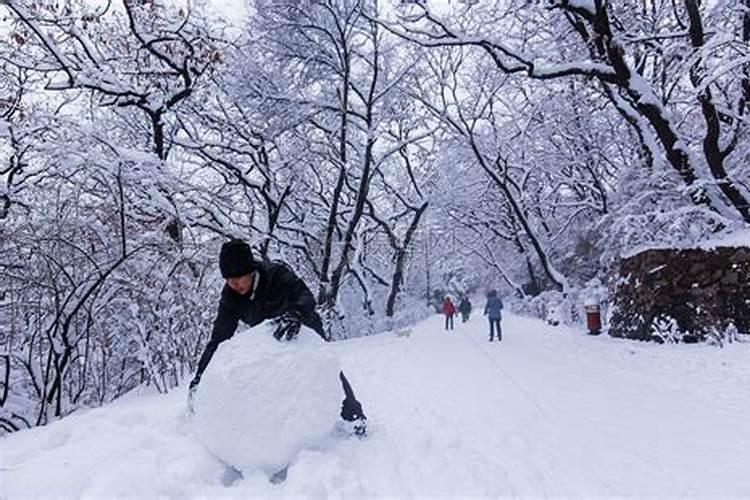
point(548, 411)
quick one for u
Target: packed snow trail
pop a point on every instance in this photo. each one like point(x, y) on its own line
point(548, 411)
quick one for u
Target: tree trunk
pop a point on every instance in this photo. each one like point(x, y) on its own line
point(400, 258)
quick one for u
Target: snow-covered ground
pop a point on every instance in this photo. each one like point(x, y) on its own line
point(547, 412)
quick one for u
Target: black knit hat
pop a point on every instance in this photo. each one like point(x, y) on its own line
point(235, 259)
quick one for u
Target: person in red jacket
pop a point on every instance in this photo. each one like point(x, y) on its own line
point(449, 310)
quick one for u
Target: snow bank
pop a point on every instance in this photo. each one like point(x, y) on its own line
point(739, 238)
point(540, 414)
point(734, 239)
point(261, 401)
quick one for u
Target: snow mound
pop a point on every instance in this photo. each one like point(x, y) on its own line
point(261, 401)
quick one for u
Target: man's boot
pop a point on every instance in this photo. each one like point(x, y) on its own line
point(354, 418)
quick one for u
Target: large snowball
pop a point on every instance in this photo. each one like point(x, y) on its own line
point(261, 401)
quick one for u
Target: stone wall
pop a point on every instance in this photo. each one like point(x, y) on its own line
point(682, 295)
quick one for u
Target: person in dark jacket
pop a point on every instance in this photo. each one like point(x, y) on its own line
point(258, 291)
point(449, 310)
point(493, 310)
point(464, 307)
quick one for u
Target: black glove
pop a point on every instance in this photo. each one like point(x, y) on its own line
point(287, 326)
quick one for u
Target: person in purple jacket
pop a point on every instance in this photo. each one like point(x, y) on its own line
point(493, 310)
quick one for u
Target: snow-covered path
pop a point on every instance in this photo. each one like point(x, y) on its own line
point(552, 413)
point(547, 412)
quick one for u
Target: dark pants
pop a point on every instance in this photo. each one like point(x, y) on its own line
point(351, 409)
point(495, 325)
point(464, 317)
point(449, 321)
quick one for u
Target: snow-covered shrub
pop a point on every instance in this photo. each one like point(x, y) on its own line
point(563, 308)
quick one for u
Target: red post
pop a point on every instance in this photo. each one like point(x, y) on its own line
point(593, 318)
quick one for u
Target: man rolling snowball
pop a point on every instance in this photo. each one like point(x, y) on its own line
point(258, 291)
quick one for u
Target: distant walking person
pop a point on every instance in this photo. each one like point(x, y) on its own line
point(493, 310)
point(464, 307)
point(449, 310)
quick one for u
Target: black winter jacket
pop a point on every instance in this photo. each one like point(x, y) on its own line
point(276, 290)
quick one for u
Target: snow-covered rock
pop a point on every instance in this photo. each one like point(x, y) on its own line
point(261, 401)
